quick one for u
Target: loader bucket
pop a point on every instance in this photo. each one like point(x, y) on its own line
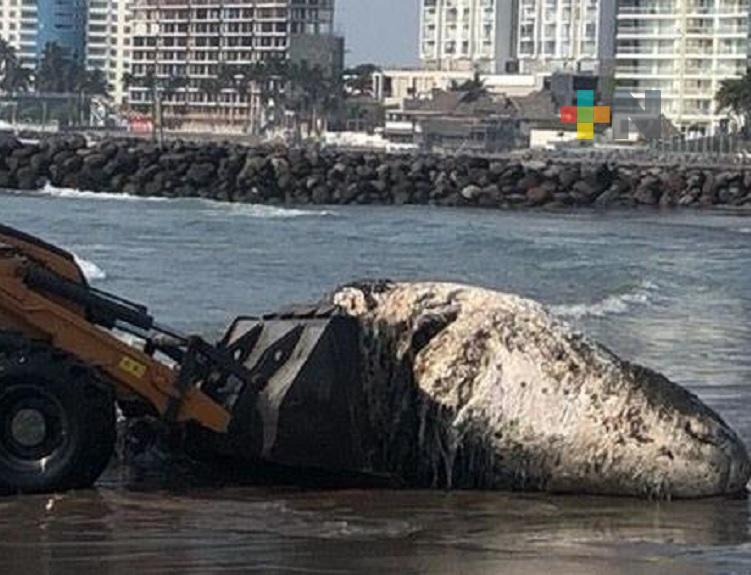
point(300, 407)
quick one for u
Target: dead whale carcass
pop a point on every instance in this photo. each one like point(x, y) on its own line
point(463, 387)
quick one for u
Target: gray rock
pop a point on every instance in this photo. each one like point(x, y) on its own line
point(7, 180)
point(200, 174)
point(608, 197)
point(94, 161)
point(471, 192)
point(321, 195)
point(539, 196)
point(402, 194)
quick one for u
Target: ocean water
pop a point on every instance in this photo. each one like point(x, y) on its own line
point(671, 290)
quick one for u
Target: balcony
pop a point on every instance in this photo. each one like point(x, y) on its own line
point(647, 32)
point(739, 31)
point(628, 52)
point(697, 73)
point(644, 71)
point(651, 10)
point(700, 31)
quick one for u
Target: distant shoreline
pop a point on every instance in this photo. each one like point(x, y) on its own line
point(276, 175)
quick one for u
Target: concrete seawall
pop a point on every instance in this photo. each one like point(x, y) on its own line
point(231, 172)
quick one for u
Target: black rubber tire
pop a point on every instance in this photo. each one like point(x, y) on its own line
point(78, 433)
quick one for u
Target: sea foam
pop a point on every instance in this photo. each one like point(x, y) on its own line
point(218, 208)
point(614, 304)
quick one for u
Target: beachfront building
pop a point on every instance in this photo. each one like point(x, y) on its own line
point(565, 35)
point(29, 25)
point(183, 45)
point(467, 35)
point(108, 42)
point(311, 17)
point(393, 86)
point(684, 49)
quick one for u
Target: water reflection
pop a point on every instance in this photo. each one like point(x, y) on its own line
point(117, 531)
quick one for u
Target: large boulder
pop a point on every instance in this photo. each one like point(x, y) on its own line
point(466, 387)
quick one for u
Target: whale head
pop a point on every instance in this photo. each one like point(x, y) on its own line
point(468, 387)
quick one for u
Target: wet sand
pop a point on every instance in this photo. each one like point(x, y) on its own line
point(134, 526)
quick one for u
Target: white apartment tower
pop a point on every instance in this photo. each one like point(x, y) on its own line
point(10, 22)
point(463, 35)
point(684, 49)
point(565, 35)
point(108, 42)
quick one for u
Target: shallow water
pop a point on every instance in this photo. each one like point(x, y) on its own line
point(670, 290)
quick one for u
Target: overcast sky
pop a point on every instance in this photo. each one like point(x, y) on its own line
point(379, 31)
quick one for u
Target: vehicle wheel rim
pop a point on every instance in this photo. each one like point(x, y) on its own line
point(28, 427)
point(34, 429)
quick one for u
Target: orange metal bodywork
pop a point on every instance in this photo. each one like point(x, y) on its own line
point(65, 327)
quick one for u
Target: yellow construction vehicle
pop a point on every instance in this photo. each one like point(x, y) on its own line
point(65, 367)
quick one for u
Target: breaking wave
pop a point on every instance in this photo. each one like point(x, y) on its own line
point(261, 211)
point(616, 304)
point(56, 192)
point(218, 208)
point(90, 270)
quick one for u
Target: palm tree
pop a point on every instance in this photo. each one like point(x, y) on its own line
point(88, 83)
point(55, 72)
point(272, 91)
point(262, 82)
point(167, 90)
point(94, 83)
point(358, 81)
point(160, 90)
point(473, 90)
point(148, 81)
point(230, 77)
point(734, 96)
point(244, 83)
point(13, 76)
point(313, 92)
point(212, 89)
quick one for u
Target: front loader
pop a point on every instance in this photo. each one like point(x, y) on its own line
point(278, 388)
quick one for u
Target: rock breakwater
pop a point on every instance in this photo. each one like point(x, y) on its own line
point(282, 176)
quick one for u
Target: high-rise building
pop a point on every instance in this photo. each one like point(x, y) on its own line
point(311, 17)
point(684, 49)
point(29, 25)
point(108, 30)
point(190, 41)
point(463, 35)
point(565, 35)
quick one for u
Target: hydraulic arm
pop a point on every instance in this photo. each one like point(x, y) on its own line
point(279, 389)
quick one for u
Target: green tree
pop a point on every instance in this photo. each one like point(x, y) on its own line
point(472, 90)
point(88, 83)
point(313, 92)
point(264, 85)
point(734, 97)
point(358, 81)
point(212, 88)
point(91, 82)
point(54, 71)
point(13, 76)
